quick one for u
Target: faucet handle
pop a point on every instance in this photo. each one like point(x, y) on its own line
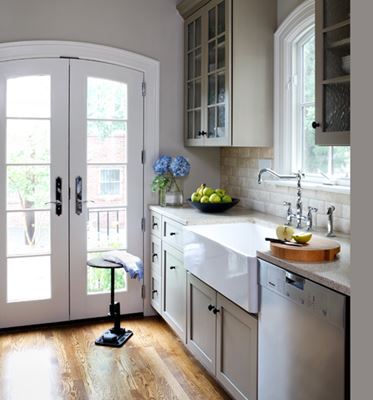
point(330, 210)
point(287, 204)
point(312, 209)
point(310, 217)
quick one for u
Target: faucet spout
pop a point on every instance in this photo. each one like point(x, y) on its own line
point(271, 172)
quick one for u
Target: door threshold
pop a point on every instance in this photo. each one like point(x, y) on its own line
point(62, 324)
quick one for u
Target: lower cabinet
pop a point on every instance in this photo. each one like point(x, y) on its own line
point(223, 337)
point(174, 290)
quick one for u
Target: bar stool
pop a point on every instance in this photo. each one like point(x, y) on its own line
point(115, 336)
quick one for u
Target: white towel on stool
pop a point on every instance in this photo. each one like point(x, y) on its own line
point(133, 265)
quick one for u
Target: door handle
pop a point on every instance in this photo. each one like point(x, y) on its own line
point(58, 201)
point(78, 195)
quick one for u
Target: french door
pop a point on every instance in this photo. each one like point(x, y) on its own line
point(71, 187)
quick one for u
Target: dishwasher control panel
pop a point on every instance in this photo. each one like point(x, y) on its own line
point(315, 298)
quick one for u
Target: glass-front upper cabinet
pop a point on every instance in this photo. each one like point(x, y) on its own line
point(332, 72)
point(207, 75)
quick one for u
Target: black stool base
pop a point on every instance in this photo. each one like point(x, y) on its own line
point(113, 338)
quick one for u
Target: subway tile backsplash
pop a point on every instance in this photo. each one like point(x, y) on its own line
point(239, 171)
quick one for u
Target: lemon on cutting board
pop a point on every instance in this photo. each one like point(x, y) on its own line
point(302, 238)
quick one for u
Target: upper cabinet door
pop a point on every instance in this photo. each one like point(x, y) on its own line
point(229, 72)
point(332, 72)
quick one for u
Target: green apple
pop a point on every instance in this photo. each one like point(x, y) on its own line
point(205, 199)
point(196, 197)
point(207, 191)
point(284, 232)
point(226, 199)
point(214, 198)
point(220, 192)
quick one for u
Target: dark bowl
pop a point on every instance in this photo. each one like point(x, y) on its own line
point(213, 207)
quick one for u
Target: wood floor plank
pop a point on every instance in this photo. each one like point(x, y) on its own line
point(64, 363)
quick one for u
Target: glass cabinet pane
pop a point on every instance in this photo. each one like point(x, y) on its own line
point(190, 125)
point(221, 17)
point(220, 131)
point(190, 96)
point(221, 52)
point(336, 107)
point(336, 11)
point(197, 123)
point(212, 56)
point(198, 63)
point(198, 35)
point(191, 36)
point(197, 94)
point(211, 90)
point(221, 87)
point(190, 65)
point(336, 53)
point(212, 23)
point(211, 122)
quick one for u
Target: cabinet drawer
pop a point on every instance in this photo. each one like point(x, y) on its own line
point(155, 224)
point(156, 292)
point(172, 232)
point(155, 254)
point(174, 290)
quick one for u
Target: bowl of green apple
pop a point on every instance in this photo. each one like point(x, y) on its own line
point(209, 200)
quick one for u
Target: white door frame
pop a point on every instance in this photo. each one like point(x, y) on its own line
point(151, 69)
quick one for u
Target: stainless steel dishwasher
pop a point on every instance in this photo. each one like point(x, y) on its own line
point(301, 338)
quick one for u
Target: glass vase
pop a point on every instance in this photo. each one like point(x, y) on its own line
point(162, 197)
point(174, 195)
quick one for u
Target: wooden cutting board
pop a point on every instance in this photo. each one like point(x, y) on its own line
point(317, 250)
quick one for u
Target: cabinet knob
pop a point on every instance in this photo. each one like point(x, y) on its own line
point(315, 124)
point(154, 224)
point(153, 256)
point(172, 267)
point(172, 233)
point(215, 311)
point(210, 307)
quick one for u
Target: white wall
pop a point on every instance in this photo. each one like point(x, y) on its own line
point(149, 27)
point(284, 8)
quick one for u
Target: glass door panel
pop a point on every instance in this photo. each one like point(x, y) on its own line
point(108, 108)
point(33, 135)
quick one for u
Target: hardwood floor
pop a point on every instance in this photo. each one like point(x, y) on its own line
point(64, 363)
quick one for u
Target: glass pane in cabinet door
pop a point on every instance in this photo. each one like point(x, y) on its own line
point(198, 32)
point(220, 130)
point(212, 89)
point(336, 11)
point(211, 122)
point(212, 23)
point(197, 64)
point(190, 128)
point(190, 95)
point(221, 52)
point(190, 36)
point(221, 87)
point(197, 94)
point(190, 65)
point(212, 56)
point(221, 17)
point(336, 53)
point(197, 123)
point(337, 107)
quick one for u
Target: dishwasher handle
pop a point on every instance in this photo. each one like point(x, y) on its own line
point(295, 280)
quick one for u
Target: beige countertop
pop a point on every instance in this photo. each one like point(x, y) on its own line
point(335, 274)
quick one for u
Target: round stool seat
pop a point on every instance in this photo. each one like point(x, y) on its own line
point(99, 262)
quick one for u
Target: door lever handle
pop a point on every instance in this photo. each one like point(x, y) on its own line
point(58, 201)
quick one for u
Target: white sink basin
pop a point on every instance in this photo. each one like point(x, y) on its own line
point(224, 257)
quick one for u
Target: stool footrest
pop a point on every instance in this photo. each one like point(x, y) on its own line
point(114, 337)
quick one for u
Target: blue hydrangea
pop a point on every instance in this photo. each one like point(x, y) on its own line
point(162, 165)
point(180, 166)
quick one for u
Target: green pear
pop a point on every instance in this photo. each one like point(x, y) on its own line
point(196, 197)
point(205, 199)
point(208, 191)
point(220, 192)
point(226, 199)
point(214, 198)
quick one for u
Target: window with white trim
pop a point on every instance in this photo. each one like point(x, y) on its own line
point(110, 182)
point(295, 147)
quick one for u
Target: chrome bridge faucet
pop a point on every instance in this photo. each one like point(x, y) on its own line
point(298, 216)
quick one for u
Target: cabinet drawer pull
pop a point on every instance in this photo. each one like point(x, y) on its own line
point(210, 307)
point(172, 267)
point(215, 311)
point(172, 233)
point(153, 256)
